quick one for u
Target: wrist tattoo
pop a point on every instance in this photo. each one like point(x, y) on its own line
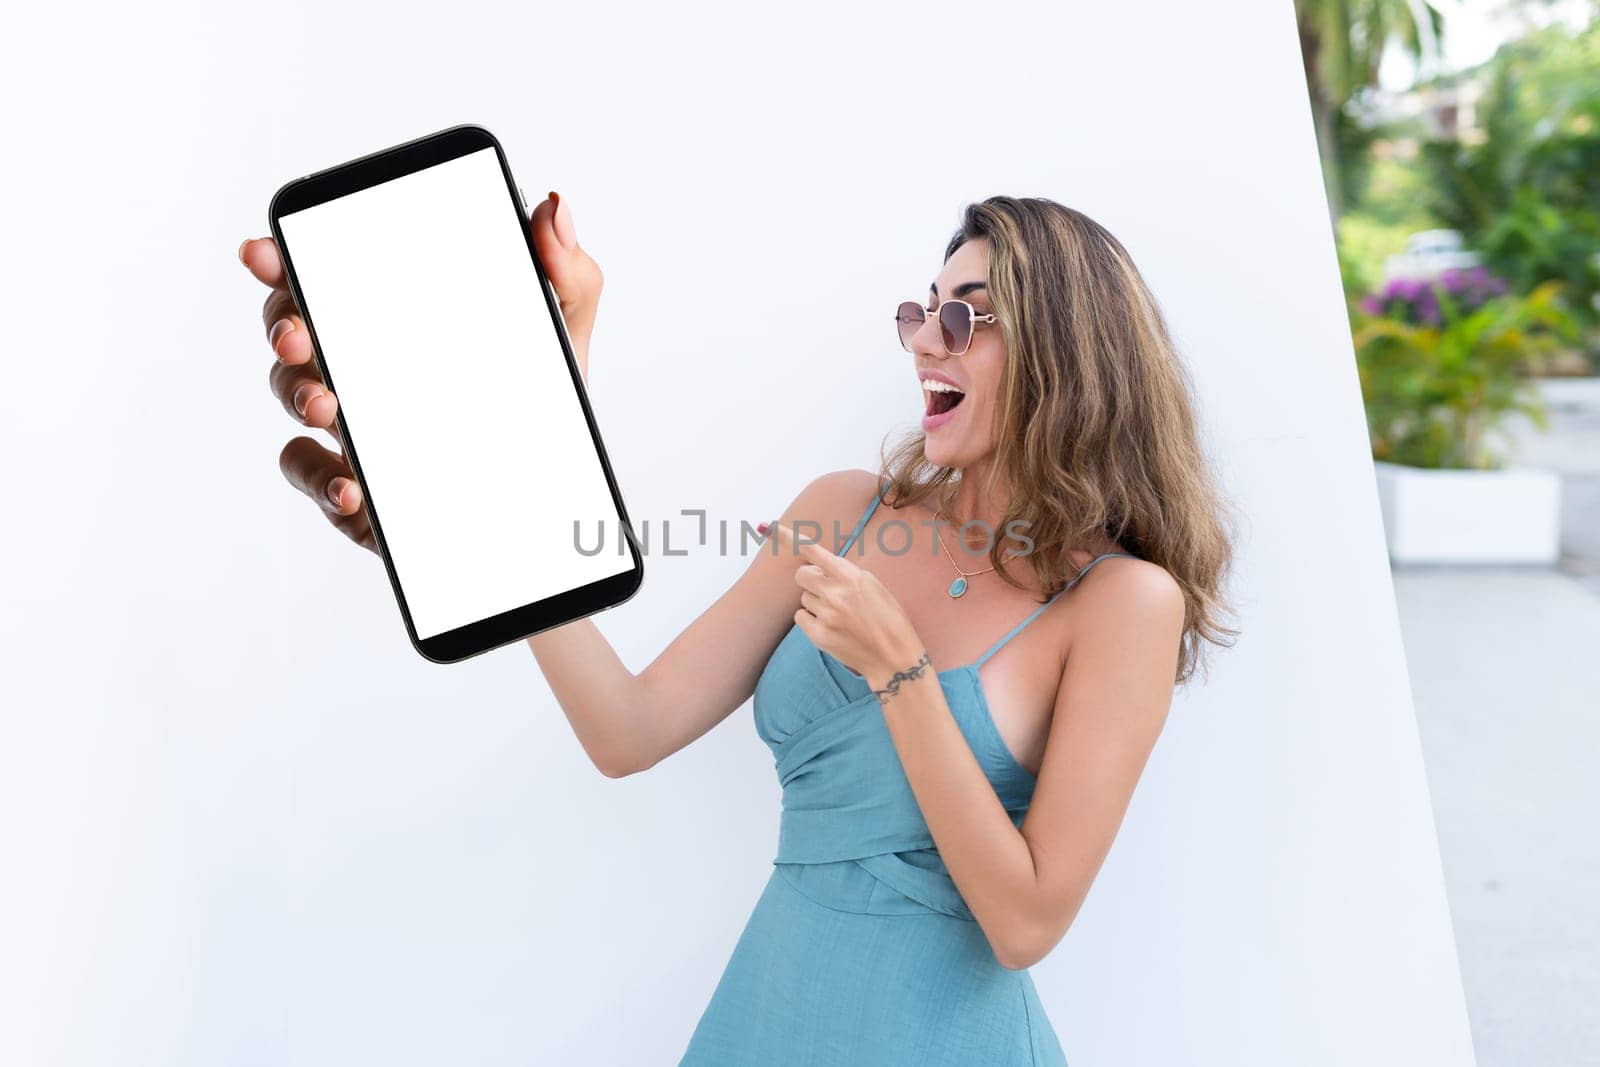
point(916, 670)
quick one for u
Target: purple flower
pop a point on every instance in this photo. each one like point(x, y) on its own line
point(1417, 300)
point(1427, 306)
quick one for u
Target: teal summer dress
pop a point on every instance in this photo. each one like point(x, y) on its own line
point(860, 950)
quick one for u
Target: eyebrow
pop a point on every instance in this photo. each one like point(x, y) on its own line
point(961, 290)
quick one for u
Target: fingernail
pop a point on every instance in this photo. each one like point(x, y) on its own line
point(279, 328)
point(762, 529)
point(304, 396)
point(335, 491)
point(242, 243)
point(565, 233)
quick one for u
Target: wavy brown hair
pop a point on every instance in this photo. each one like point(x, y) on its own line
point(1098, 435)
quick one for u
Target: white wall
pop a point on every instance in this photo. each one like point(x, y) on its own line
point(242, 822)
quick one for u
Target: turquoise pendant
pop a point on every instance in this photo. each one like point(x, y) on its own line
point(958, 587)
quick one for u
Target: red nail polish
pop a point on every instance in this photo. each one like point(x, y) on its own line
point(762, 529)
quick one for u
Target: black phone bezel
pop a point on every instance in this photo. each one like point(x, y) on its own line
point(518, 623)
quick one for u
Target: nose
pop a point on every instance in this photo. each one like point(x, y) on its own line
point(928, 341)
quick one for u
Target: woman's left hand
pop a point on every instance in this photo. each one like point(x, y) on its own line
point(848, 613)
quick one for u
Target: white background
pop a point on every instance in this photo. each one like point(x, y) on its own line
point(243, 822)
point(455, 294)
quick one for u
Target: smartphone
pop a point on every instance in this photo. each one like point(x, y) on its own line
point(461, 408)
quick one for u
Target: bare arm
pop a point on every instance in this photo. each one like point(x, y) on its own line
point(629, 722)
point(1116, 689)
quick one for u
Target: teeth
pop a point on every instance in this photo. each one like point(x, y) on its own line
point(933, 385)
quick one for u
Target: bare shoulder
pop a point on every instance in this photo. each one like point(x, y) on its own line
point(1132, 595)
point(836, 497)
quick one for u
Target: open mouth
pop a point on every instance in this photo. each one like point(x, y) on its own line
point(940, 397)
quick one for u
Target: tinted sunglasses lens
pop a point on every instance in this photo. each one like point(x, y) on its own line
point(908, 320)
point(955, 325)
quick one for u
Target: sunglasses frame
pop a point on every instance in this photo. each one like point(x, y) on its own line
point(973, 320)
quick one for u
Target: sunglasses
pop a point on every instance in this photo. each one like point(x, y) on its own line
point(957, 320)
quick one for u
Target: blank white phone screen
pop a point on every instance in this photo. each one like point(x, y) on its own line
point(455, 393)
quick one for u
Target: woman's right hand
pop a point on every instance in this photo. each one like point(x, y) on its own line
point(323, 474)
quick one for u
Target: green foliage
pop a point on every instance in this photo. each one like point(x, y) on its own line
point(1533, 241)
point(1437, 393)
point(1527, 196)
point(1342, 43)
point(1343, 40)
point(1368, 237)
point(1352, 270)
point(1395, 197)
point(1353, 159)
point(1470, 184)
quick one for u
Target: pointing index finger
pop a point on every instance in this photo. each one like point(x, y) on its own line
point(812, 551)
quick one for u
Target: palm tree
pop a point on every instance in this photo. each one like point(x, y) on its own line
point(1341, 44)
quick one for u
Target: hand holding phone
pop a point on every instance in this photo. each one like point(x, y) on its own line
point(401, 267)
point(324, 475)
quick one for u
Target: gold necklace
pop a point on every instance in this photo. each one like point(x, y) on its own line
point(958, 586)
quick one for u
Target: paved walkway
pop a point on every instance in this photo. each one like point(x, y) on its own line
point(1505, 672)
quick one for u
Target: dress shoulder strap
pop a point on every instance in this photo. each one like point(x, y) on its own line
point(1088, 566)
point(862, 522)
point(1017, 629)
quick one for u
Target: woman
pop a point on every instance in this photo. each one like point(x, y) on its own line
point(958, 730)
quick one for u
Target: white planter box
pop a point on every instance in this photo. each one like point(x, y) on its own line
point(1458, 516)
point(1576, 395)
